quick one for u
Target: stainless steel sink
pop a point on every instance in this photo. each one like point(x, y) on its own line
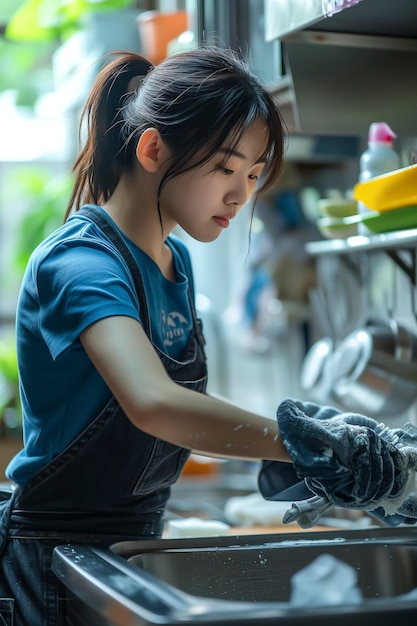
point(241, 580)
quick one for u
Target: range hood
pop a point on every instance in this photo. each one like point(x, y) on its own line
point(344, 70)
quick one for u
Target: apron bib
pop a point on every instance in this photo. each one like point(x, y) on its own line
point(111, 484)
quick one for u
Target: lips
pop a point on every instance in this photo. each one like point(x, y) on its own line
point(222, 221)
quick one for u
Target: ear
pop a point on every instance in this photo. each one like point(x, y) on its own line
point(151, 151)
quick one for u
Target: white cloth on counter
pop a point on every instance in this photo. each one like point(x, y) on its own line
point(254, 510)
point(195, 527)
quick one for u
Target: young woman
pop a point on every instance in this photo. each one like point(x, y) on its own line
point(111, 353)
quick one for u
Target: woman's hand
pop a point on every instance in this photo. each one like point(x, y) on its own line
point(348, 458)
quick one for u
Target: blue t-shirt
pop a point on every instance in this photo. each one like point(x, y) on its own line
point(73, 279)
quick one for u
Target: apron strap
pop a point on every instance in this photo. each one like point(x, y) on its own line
point(110, 231)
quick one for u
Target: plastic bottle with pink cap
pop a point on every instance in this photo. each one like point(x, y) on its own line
point(379, 158)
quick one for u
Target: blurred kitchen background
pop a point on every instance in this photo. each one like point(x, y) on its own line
point(277, 292)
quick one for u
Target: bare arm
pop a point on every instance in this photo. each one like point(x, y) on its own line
point(128, 363)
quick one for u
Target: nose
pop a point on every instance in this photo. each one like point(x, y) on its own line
point(239, 194)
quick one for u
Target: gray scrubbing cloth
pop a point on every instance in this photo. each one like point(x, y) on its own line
point(350, 460)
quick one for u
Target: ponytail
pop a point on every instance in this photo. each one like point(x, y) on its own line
point(106, 153)
point(199, 101)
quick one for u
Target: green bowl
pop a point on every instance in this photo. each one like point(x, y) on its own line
point(335, 228)
point(378, 223)
point(337, 207)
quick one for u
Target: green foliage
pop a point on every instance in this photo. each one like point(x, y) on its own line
point(26, 68)
point(8, 8)
point(46, 20)
point(9, 378)
point(8, 360)
point(34, 30)
point(45, 198)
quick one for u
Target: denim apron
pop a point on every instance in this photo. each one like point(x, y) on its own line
point(111, 484)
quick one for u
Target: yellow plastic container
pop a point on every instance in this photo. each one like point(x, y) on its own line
point(394, 190)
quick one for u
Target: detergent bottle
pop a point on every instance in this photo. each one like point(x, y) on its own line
point(379, 158)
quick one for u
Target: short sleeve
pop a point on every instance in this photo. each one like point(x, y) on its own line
point(80, 282)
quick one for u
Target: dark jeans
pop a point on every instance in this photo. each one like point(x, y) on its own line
point(26, 576)
point(30, 593)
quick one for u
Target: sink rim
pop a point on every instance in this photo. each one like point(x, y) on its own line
point(131, 548)
point(96, 576)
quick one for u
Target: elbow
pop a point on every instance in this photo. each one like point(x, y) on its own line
point(146, 409)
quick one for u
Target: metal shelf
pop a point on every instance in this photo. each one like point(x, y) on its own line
point(396, 244)
point(387, 241)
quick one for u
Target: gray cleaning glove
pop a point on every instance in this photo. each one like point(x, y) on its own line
point(348, 460)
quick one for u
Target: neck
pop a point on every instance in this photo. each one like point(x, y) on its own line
point(133, 207)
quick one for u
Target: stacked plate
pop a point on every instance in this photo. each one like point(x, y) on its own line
point(392, 198)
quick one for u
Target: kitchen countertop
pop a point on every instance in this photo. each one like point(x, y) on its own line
point(280, 528)
point(272, 529)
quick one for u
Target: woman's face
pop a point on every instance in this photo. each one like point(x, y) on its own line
point(204, 200)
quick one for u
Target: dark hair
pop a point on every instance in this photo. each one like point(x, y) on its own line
point(199, 101)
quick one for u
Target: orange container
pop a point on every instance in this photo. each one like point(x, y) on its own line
point(157, 29)
point(201, 466)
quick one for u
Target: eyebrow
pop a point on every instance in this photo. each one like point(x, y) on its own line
point(240, 155)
